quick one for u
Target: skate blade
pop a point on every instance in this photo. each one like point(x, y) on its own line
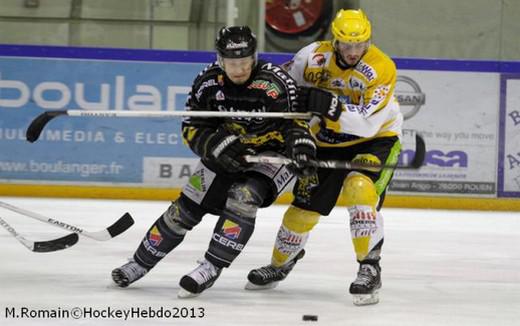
point(365, 299)
point(254, 287)
point(185, 294)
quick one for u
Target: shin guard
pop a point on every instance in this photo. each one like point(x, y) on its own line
point(237, 222)
point(366, 224)
point(293, 234)
point(167, 232)
point(229, 238)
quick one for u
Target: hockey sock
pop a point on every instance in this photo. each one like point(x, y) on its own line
point(168, 231)
point(157, 243)
point(366, 224)
point(293, 234)
point(229, 238)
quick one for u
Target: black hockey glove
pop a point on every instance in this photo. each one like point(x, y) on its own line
point(301, 148)
point(319, 102)
point(225, 151)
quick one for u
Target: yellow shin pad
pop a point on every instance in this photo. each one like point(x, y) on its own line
point(293, 234)
point(366, 225)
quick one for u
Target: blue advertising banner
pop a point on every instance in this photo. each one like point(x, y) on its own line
point(89, 149)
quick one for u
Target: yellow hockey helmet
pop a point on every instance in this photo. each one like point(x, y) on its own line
point(351, 26)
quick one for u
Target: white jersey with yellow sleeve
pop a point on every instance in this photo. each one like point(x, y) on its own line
point(366, 91)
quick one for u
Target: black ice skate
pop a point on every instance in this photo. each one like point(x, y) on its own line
point(366, 286)
point(199, 279)
point(128, 273)
point(268, 277)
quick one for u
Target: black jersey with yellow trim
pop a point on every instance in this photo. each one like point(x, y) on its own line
point(269, 89)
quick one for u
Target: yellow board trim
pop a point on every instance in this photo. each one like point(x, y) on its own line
point(168, 194)
point(94, 192)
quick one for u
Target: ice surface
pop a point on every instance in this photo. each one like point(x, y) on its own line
point(439, 268)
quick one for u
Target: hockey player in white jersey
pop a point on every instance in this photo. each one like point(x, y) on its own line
point(349, 83)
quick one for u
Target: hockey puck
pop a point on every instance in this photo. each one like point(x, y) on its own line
point(310, 317)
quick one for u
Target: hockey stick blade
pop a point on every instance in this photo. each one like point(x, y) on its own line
point(42, 246)
point(416, 163)
point(420, 152)
point(118, 227)
point(121, 225)
point(36, 127)
point(56, 244)
point(38, 124)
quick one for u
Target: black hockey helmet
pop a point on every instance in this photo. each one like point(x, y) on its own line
point(236, 42)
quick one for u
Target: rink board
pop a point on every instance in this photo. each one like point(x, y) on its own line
point(465, 111)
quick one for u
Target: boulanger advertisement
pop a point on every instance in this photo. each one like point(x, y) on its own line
point(466, 111)
point(90, 150)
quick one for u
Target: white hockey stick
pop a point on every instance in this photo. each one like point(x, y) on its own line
point(121, 225)
point(36, 127)
point(42, 246)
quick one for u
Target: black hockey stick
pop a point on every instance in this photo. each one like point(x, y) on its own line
point(36, 126)
point(42, 246)
point(118, 227)
point(417, 162)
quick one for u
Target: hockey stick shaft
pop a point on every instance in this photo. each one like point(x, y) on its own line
point(27, 243)
point(420, 150)
point(42, 246)
point(36, 126)
point(115, 229)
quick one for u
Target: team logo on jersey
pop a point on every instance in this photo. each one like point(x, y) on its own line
point(155, 237)
point(231, 230)
point(220, 80)
point(356, 84)
point(318, 60)
point(220, 96)
point(271, 89)
point(337, 83)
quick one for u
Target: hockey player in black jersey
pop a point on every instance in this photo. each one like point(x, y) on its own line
point(223, 183)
